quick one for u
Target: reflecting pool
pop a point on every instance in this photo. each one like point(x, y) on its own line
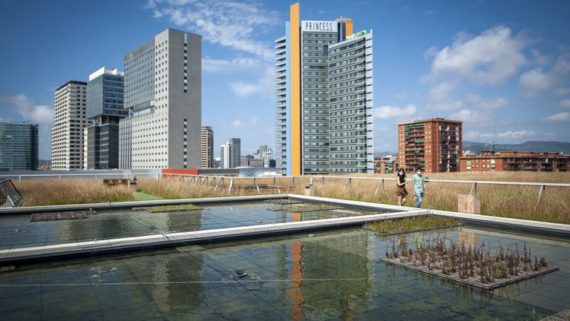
point(334, 275)
point(20, 231)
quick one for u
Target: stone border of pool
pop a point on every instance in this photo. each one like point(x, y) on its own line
point(97, 247)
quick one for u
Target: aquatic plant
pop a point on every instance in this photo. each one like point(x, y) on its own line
point(444, 255)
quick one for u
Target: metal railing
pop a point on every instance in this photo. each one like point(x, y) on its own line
point(20, 177)
point(314, 179)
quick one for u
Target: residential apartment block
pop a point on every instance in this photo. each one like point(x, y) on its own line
point(18, 146)
point(104, 109)
point(324, 121)
point(162, 94)
point(490, 161)
point(207, 147)
point(67, 134)
point(434, 145)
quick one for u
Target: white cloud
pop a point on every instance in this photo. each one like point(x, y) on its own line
point(229, 24)
point(242, 89)
point(559, 117)
point(565, 103)
point(385, 112)
point(441, 91)
point(236, 64)
point(476, 101)
point(490, 58)
point(506, 135)
point(472, 116)
point(539, 58)
point(30, 111)
point(516, 134)
point(264, 86)
point(473, 134)
point(563, 91)
point(535, 81)
point(237, 124)
point(447, 105)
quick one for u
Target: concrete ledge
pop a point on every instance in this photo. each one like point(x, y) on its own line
point(541, 227)
point(82, 249)
point(117, 205)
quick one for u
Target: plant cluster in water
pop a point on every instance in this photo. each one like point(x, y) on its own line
point(440, 254)
point(412, 224)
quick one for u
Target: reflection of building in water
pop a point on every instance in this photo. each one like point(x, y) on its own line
point(469, 238)
point(326, 281)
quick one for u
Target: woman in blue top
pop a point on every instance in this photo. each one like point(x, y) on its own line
point(419, 186)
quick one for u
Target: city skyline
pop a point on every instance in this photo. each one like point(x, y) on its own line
point(503, 68)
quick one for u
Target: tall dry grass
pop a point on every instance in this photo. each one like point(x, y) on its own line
point(70, 191)
point(185, 187)
point(506, 201)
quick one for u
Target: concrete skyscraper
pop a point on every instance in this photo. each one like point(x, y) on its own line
point(104, 110)
point(18, 146)
point(207, 147)
point(230, 153)
point(70, 121)
point(163, 97)
point(324, 97)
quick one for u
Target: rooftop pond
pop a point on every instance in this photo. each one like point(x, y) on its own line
point(329, 275)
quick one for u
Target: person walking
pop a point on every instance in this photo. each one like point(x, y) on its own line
point(419, 187)
point(401, 184)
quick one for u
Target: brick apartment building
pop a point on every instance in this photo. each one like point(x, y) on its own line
point(433, 144)
point(489, 161)
point(385, 165)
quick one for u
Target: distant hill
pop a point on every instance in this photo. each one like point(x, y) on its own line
point(530, 146)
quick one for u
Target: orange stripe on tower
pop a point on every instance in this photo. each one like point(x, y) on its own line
point(348, 27)
point(295, 90)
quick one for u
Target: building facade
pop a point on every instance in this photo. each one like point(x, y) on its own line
point(207, 147)
point(104, 109)
point(18, 146)
point(324, 120)
point(163, 97)
point(489, 161)
point(434, 145)
point(67, 134)
point(386, 164)
point(230, 153)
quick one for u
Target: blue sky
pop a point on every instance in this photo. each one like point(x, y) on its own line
point(503, 67)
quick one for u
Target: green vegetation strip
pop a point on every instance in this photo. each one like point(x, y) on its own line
point(142, 196)
point(168, 208)
point(413, 224)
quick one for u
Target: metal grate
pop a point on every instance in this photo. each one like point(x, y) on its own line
point(9, 194)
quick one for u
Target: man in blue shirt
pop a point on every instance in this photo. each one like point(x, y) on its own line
point(419, 186)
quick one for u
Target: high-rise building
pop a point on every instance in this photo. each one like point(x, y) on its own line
point(18, 146)
point(235, 152)
point(207, 147)
point(163, 97)
point(225, 158)
point(67, 134)
point(230, 153)
point(434, 145)
point(105, 109)
point(264, 153)
point(324, 97)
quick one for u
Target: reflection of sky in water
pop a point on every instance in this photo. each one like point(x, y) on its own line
point(18, 231)
point(328, 276)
